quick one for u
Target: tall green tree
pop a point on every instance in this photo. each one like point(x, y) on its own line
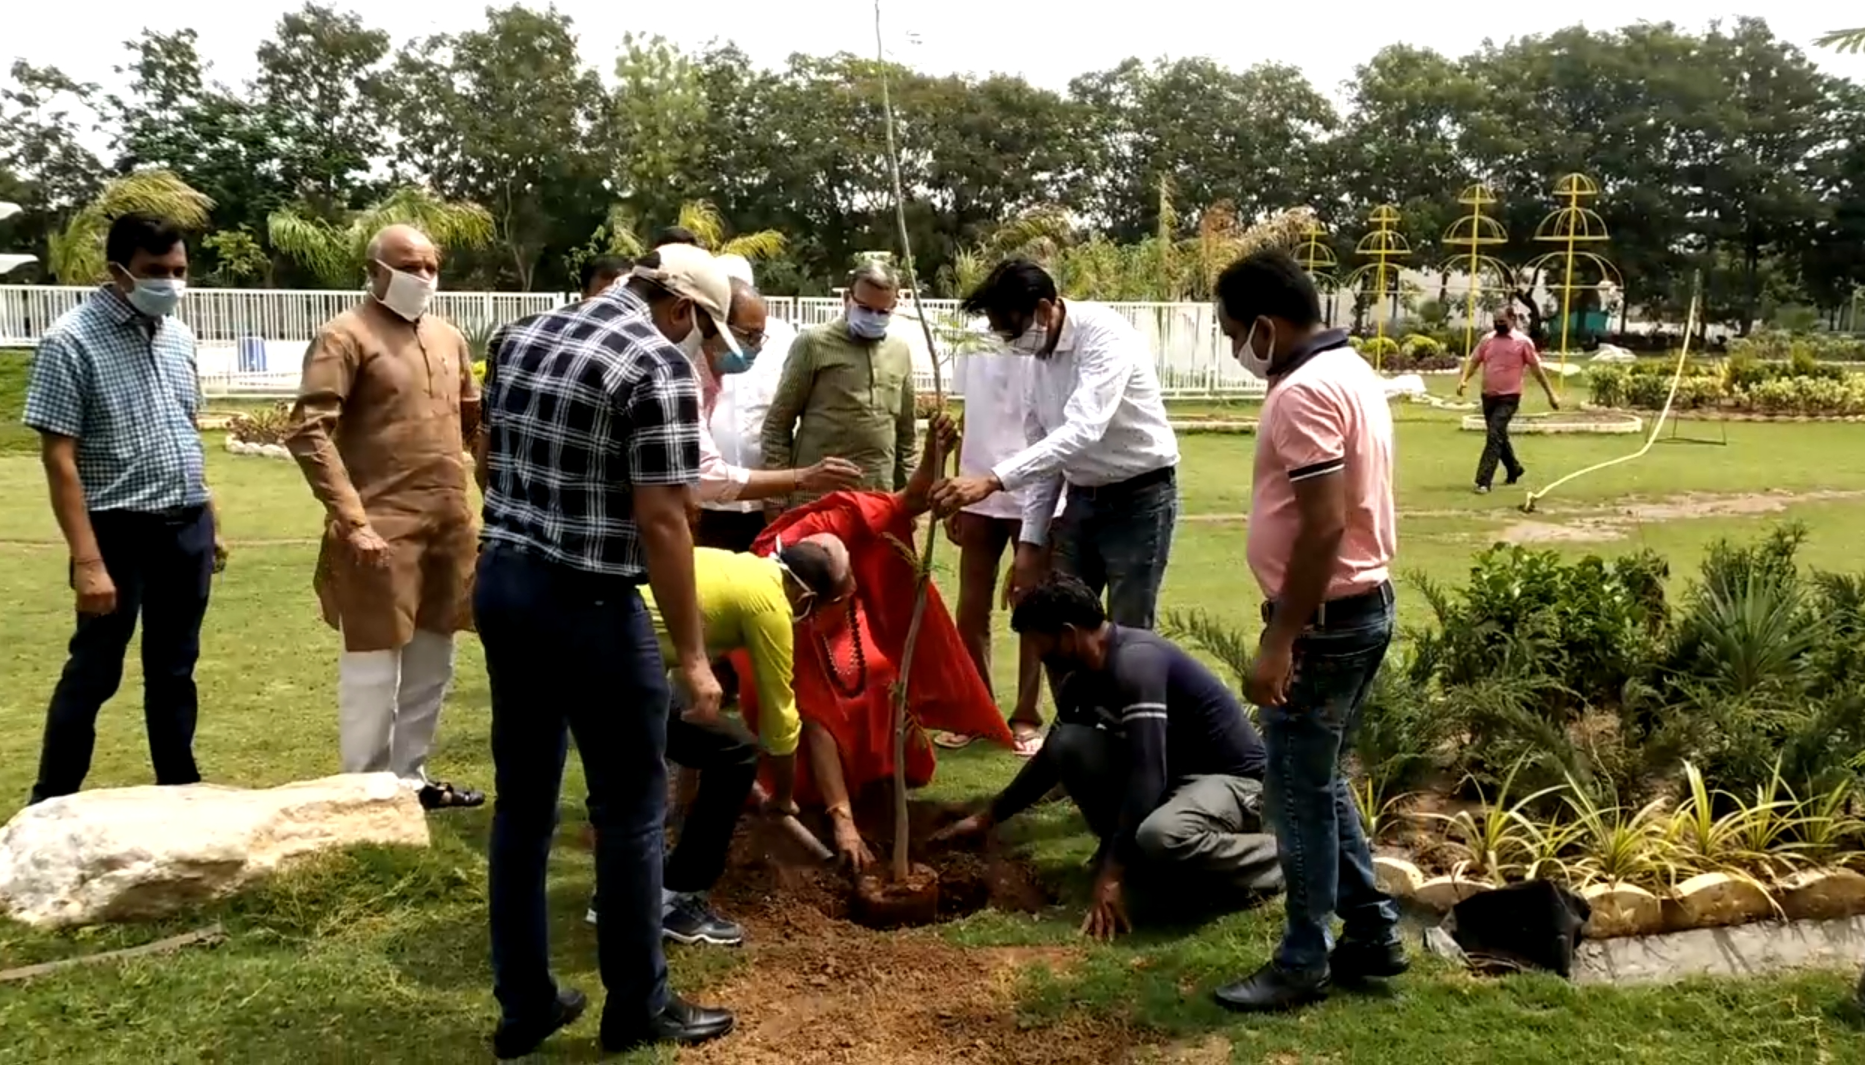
point(509, 118)
point(322, 90)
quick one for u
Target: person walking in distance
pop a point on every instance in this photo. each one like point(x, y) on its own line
point(1096, 426)
point(1322, 535)
point(592, 443)
point(385, 410)
point(1504, 356)
point(114, 395)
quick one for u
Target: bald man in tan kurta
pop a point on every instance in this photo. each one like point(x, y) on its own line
point(387, 403)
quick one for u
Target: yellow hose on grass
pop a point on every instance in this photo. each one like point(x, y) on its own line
point(1683, 356)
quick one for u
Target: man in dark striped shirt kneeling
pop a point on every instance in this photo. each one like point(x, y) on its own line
point(1155, 752)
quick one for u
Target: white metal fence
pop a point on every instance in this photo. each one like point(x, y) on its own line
point(252, 340)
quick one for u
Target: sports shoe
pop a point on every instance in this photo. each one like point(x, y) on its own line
point(1354, 960)
point(1482, 489)
point(690, 920)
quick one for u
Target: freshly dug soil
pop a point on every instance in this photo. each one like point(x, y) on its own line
point(768, 874)
point(882, 902)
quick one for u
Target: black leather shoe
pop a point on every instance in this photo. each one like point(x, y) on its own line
point(1270, 988)
point(1517, 475)
point(517, 1040)
point(681, 1022)
point(1353, 960)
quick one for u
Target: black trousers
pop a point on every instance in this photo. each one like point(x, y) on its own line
point(1498, 412)
point(163, 567)
point(726, 757)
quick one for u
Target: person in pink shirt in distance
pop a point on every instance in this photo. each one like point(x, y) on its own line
point(1504, 356)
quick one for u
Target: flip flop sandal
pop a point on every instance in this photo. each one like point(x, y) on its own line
point(1027, 744)
point(953, 741)
point(441, 795)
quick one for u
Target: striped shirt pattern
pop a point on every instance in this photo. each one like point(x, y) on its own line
point(582, 404)
point(126, 388)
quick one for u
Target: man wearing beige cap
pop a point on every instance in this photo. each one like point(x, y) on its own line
point(592, 452)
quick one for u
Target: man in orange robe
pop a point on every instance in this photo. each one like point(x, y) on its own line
point(848, 651)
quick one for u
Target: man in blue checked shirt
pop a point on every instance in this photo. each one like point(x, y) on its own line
point(114, 395)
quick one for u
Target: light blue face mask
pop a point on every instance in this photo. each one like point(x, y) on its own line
point(864, 324)
point(729, 362)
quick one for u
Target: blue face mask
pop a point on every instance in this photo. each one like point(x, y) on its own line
point(864, 324)
point(728, 362)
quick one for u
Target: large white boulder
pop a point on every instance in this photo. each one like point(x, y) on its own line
point(122, 853)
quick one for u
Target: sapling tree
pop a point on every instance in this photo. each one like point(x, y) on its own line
point(923, 565)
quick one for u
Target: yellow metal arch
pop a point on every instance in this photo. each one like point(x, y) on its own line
point(1383, 244)
point(1572, 225)
point(1473, 232)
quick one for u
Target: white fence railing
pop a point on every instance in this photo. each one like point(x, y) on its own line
point(252, 340)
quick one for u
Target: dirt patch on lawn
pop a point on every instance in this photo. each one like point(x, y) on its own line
point(824, 991)
point(769, 876)
point(1602, 524)
point(821, 989)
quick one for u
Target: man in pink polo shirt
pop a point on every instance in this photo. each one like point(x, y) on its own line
point(1321, 539)
point(1504, 357)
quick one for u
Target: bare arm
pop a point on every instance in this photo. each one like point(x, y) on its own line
point(660, 514)
point(59, 454)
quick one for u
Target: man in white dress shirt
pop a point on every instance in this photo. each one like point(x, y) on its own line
point(736, 423)
point(1096, 428)
point(994, 384)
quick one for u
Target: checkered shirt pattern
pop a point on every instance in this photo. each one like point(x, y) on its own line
point(127, 390)
point(582, 404)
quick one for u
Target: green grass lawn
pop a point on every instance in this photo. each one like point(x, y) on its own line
point(380, 956)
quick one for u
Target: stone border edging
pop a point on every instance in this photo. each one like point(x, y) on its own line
point(269, 451)
point(1551, 425)
point(1707, 900)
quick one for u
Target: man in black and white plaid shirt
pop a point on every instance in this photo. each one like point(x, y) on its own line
point(591, 451)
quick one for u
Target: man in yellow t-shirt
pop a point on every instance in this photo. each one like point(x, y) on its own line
point(747, 603)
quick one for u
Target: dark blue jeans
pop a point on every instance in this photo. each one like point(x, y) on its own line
point(571, 654)
point(1118, 540)
point(163, 567)
point(1327, 866)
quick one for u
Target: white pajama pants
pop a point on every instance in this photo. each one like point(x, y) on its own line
point(388, 705)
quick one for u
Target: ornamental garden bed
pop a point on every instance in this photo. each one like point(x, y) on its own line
point(1681, 762)
point(1741, 388)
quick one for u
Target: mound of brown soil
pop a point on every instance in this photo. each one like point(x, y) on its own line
point(768, 874)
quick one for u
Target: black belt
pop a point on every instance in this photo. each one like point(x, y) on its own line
point(1348, 611)
point(167, 515)
point(1162, 475)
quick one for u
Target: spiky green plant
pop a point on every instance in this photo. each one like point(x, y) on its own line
point(334, 251)
point(1500, 837)
point(76, 255)
point(1616, 844)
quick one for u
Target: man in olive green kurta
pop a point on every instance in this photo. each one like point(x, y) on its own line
point(847, 390)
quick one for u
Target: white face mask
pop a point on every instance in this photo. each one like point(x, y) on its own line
point(407, 294)
point(154, 296)
point(1258, 366)
point(157, 296)
point(1032, 341)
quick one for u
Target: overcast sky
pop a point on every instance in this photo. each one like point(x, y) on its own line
point(1046, 43)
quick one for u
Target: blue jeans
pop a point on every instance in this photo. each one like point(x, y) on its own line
point(1118, 540)
point(163, 567)
point(572, 654)
point(1327, 866)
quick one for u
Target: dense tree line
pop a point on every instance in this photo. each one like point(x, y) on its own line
point(1723, 155)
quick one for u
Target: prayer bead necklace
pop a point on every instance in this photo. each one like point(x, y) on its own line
point(861, 657)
